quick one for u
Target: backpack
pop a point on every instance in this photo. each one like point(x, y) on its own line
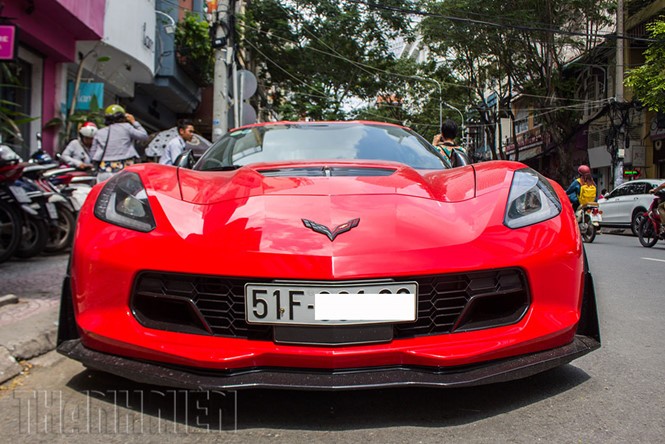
point(587, 194)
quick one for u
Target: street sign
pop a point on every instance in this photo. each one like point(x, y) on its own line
point(7, 42)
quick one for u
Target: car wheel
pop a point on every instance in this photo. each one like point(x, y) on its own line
point(638, 216)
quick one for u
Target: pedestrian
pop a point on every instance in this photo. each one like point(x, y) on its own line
point(583, 189)
point(177, 145)
point(445, 143)
point(113, 146)
point(603, 192)
point(77, 154)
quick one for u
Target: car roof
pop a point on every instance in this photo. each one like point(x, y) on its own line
point(651, 181)
point(316, 123)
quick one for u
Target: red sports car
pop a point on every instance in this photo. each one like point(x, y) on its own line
point(327, 255)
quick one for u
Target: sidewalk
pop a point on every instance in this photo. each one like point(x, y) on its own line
point(28, 328)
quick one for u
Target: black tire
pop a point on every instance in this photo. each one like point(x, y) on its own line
point(61, 235)
point(589, 233)
point(10, 230)
point(33, 239)
point(646, 233)
point(638, 215)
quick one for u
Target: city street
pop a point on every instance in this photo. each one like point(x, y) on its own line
point(612, 395)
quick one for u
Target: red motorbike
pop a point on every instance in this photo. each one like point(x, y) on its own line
point(649, 229)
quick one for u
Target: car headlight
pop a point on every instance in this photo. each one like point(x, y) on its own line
point(531, 200)
point(124, 202)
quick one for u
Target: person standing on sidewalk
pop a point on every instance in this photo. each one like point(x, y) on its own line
point(177, 145)
point(113, 146)
point(445, 143)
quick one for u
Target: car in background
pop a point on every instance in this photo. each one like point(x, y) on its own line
point(327, 255)
point(625, 205)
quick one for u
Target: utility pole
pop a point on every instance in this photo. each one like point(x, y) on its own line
point(223, 47)
point(618, 94)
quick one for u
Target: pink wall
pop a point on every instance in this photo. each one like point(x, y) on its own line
point(52, 27)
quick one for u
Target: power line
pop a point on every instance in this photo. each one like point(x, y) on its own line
point(372, 5)
point(323, 93)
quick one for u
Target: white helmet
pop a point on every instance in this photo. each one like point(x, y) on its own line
point(88, 129)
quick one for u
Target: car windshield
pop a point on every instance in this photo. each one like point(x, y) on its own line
point(325, 141)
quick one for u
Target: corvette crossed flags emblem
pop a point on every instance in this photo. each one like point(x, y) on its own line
point(334, 233)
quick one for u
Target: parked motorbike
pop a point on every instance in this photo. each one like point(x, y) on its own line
point(588, 219)
point(67, 188)
point(649, 228)
point(26, 210)
point(11, 220)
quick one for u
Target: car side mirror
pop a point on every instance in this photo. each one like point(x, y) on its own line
point(185, 160)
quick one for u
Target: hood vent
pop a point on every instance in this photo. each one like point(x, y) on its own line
point(327, 172)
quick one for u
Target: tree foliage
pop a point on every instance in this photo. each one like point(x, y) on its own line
point(315, 57)
point(648, 81)
point(515, 46)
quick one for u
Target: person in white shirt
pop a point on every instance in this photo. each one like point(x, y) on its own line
point(113, 146)
point(177, 145)
point(76, 153)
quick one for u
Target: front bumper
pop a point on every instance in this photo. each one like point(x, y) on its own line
point(314, 379)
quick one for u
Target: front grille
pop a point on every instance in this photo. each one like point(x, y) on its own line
point(216, 305)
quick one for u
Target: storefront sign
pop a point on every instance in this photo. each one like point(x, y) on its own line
point(89, 94)
point(639, 156)
point(7, 42)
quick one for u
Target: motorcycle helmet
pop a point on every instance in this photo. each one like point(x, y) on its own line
point(8, 156)
point(40, 157)
point(584, 170)
point(113, 110)
point(114, 114)
point(88, 129)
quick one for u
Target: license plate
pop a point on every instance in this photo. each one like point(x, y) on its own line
point(19, 194)
point(52, 211)
point(331, 304)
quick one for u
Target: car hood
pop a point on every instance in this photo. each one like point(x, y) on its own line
point(408, 221)
point(326, 179)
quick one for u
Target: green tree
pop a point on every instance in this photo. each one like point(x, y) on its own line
point(648, 81)
point(315, 57)
point(516, 46)
point(193, 47)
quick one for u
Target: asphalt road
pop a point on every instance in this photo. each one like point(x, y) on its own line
point(613, 395)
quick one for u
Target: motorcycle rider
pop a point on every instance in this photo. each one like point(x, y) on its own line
point(661, 205)
point(77, 153)
point(113, 146)
point(575, 190)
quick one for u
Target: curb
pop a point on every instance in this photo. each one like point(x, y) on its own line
point(8, 299)
point(29, 330)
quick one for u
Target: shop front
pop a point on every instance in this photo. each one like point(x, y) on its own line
point(35, 78)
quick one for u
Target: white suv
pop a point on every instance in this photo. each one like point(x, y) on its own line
point(623, 207)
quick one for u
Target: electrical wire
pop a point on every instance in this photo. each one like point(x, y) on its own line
point(302, 82)
point(498, 25)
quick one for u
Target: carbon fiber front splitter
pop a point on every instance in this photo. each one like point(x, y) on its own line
point(315, 379)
